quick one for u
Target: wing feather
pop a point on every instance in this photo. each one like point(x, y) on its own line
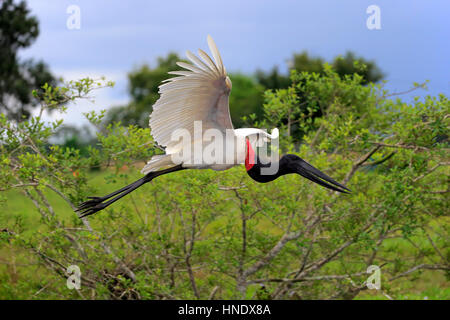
point(216, 54)
point(192, 68)
point(198, 94)
point(208, 60)
point(199, 62)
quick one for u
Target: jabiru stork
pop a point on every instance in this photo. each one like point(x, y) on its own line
point(200, 94)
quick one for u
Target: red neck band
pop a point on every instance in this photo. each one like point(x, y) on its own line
point(250, 157)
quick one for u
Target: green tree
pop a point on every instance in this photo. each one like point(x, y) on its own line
point(350, 64)
point(346, 66)
point(246, 98)
point(303, 62)
point(73, 137)
point(204, 234)
point(273, 79)
point(18, 30)
point(143, 89)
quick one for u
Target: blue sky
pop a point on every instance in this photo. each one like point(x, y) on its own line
point(116, 36)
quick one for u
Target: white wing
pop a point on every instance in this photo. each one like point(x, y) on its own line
point(199, 94)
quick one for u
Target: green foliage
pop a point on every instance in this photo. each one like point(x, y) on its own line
point(273, 79)
point(298, 115)
point(199, 233)
point(348, 64)
point(246, 98)
point(143, 89)
point(18, 77)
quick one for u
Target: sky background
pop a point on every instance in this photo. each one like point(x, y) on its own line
point(118, 36)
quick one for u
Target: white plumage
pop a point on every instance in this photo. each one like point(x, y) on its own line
point(198, 94)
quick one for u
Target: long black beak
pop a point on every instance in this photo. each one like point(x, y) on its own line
point(306, 170)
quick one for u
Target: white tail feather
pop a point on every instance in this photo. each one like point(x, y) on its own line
point(157, 162)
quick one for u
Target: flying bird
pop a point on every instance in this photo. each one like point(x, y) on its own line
point(199, 95)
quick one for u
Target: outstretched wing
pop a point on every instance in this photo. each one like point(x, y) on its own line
point(198, 94)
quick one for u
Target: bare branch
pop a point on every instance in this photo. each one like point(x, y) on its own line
point(359, 163)
point(276, 249)
point(401, 146)
point(213, 292)
point(431, 170)
point(421, 266)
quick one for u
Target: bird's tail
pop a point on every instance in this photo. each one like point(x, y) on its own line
point(157, 162)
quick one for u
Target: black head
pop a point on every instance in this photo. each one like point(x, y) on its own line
point(289, 163)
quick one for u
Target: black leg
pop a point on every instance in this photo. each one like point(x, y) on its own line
point(97, 203)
